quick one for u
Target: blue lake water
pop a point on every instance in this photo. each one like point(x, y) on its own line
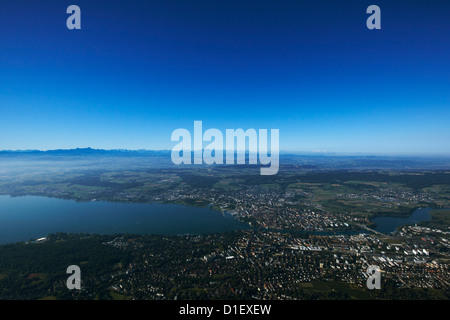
point(30, 217)
point(390, 224)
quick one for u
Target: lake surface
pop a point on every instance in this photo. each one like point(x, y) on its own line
point(31, 217)
point(390, 224)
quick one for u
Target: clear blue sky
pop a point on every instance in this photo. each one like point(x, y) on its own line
point(140, 69)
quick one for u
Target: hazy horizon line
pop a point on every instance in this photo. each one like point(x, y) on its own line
point(285, 152)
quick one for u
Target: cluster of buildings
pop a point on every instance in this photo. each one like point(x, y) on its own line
point(275, 265)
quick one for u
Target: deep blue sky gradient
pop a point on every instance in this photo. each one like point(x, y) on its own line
point(140, 69)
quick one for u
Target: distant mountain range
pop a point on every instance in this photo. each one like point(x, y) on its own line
point(87, 152)
point(146, 152)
